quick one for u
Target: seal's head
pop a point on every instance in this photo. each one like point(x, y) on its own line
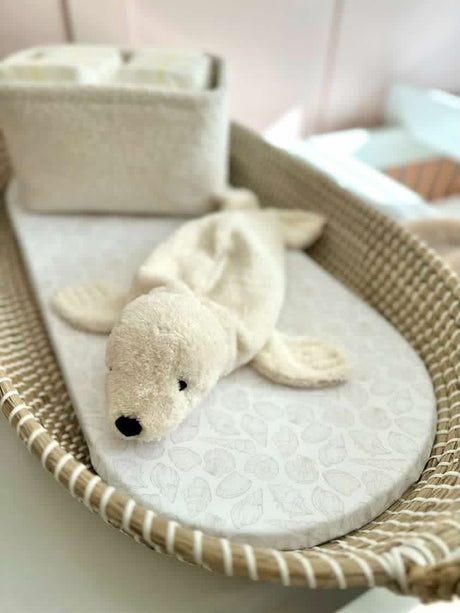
point(166, 352)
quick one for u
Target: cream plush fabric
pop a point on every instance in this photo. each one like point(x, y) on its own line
point(259, 462)
point(204, 303)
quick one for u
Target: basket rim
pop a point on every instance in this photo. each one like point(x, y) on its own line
point(399, 567)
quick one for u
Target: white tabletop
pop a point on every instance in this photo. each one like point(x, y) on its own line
point(59, 558)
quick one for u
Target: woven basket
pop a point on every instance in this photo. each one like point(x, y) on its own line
point(408, 547)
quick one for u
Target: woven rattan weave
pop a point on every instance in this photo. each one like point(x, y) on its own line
point(408, 547)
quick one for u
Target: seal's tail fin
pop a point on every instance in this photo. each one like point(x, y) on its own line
point(236, 199)
point(300, 228)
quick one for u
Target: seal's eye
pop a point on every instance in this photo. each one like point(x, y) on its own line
point(182, 384)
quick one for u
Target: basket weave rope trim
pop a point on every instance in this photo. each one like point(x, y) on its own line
point(406, 547)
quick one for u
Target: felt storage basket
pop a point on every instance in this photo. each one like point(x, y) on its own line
point(408, 547)
point(78, 147)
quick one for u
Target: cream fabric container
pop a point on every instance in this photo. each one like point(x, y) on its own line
point(113, 147)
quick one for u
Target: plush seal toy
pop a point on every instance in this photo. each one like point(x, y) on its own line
point(205, 302)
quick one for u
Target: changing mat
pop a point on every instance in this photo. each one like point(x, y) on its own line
point(258, 462)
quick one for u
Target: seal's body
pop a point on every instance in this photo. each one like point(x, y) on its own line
point(205, 302)
point(236, 259)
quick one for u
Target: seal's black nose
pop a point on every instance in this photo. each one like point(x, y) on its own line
point(128, 426)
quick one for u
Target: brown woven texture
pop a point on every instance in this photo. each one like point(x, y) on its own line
point(406, 547)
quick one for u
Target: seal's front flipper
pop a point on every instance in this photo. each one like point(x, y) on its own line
point(299, 361)
point(299, 228)
point(93, 307)
point(236, 199)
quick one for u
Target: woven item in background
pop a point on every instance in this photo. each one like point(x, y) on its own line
point(406, 547)
point(433, 179)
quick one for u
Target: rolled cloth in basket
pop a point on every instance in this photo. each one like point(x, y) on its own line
point(61, 63)
point(157, 68)
point(166, 69)
point(204, 303)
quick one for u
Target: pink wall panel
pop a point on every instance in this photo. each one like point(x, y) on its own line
point(99, 21)
point(24, 23)
point(303, 65)
point(417, 41)
point(275, 49)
